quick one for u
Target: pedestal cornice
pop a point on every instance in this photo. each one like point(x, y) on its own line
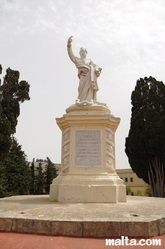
point(95, 115)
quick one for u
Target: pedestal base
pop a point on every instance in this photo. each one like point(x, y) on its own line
point(72, 188)
point(88, 165)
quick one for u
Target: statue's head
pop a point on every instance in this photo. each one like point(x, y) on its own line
point(83, 52)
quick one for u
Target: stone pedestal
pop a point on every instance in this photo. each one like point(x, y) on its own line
point(88, 157)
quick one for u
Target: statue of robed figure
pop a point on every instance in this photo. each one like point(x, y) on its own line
point(88, 72)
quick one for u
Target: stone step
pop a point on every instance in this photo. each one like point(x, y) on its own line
point(138, 217)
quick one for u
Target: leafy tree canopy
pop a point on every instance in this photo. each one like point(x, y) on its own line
point(39, 180)
point(42, 174)
point(15, 172)
point(145, 144)
point(12, 93)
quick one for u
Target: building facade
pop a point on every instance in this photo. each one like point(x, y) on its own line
point(134, 185)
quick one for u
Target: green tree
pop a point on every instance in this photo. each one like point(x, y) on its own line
point(12, 93)
point(15, 175)
point(39, 182)
point(148, 191)
point(32, 174)
point(128, 190)
point(3, 181)
point(139, 193)
point(145, 144)
point(50, 174)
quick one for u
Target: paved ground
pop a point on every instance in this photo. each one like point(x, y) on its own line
point(33, 222)
point(31, 241)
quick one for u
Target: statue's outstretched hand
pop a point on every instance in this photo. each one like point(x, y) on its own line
point(70, 41)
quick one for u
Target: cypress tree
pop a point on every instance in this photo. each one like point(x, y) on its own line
point(50, 174)
point(39, 182)
point(12, 93)
point(145, 144)
point(32, 182)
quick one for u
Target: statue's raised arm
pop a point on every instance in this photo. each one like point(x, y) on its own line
point(88, 72)
point(69, 49)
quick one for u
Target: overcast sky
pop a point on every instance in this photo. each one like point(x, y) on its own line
point(126, 38)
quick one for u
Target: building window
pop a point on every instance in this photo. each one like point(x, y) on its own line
point(131, 179)
point(126, 179)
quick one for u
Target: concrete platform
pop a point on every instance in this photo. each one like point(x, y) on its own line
point(138, 217)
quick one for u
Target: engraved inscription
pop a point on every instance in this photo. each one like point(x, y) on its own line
point(88, 148)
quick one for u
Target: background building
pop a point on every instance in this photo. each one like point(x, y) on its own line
point(135, 185)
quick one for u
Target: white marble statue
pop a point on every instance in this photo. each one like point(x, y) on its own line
point(88, 73)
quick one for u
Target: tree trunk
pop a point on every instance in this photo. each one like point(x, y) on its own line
point(156, 177)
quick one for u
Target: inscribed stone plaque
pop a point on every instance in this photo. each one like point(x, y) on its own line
point(88, 148)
